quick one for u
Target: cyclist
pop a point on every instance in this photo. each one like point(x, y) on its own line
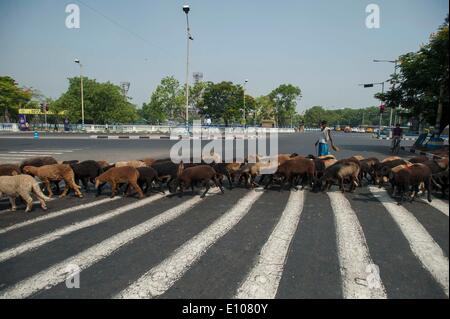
point(397, 135)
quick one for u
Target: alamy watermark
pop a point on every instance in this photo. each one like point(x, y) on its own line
point(226, 145)
point(373, 19)
point(73, 276)
point(73, 19)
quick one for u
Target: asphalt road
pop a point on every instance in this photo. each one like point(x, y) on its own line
point(242, 244)
point(67, 147)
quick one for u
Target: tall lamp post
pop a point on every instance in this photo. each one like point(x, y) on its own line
point(371, 85)
point(186, 10)
point(82, 97)
point(395, 62)
point(245, 116)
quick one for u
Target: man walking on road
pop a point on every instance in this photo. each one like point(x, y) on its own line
point(323, 148)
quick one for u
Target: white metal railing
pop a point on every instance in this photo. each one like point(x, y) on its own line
point(9, 127)
point(155, 129)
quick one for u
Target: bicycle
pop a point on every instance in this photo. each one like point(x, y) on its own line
point(396, 146)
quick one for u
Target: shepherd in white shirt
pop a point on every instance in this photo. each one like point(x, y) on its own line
point(325, 138)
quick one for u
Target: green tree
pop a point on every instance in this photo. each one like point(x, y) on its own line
point(343, 116)
point(12, 97)
point(314, 116)
point(223, 102)
point(103, 103)
point(196, 93)
point(422, 83)
point(285, 99)
point(166, 102)
point(265, 108)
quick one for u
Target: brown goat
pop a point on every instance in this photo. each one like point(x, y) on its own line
point(189, 177)
point(419, 159)
point(38, 161)
point(9, 170)
point(293, 170)
point(340, 172)
point(412, 177)
point(368, 168)
point(116, 176)
point(55, 173)
point(103, 164)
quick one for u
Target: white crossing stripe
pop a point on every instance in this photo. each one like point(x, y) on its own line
point(354, 257)
point(37, 153)
point(65, 151)
point(160, 278)
point(262, 282)
point(49, 237)
point(58, 273)
point(57, 214)
point(13, 158)
point(422, 244)
point(17, 155)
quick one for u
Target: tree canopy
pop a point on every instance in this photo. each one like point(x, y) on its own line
point(223, 102)
point(103, 103)
point(345, 116)
point(284, 99)
point(422, 82)
point(165, 103)
point(12, 97)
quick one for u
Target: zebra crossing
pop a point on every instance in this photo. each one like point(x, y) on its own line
point(14, 157)
point(245, 244)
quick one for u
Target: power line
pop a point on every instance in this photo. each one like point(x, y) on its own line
point(121, 26)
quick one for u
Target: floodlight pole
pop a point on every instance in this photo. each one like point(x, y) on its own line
point(186, 10)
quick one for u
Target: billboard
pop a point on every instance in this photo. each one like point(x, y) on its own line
point(39, 112)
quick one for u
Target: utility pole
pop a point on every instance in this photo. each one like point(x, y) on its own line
point(186, 10)
point(371, 85)
point(381, 112)
point(82, 93)
point(245, 117)
point(393, 87)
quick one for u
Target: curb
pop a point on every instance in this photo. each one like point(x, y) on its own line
point(128, 137)
point(414, 151)
point(180, 137)
point(403, 139)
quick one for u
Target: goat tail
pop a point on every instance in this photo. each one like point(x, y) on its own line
point(37, 191)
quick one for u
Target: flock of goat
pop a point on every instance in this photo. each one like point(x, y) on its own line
point(407, 178)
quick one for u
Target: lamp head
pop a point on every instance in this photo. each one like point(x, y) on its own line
point(77, 61)
point(186, 8)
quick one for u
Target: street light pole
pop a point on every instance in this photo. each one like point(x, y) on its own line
point(381, 113)
point(382, 92)
point(245, 117)
point(393, 87)
point(186, 10)
point(82, 93)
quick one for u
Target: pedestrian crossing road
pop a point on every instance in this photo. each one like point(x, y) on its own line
point(243, 244)
point(15, 157)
